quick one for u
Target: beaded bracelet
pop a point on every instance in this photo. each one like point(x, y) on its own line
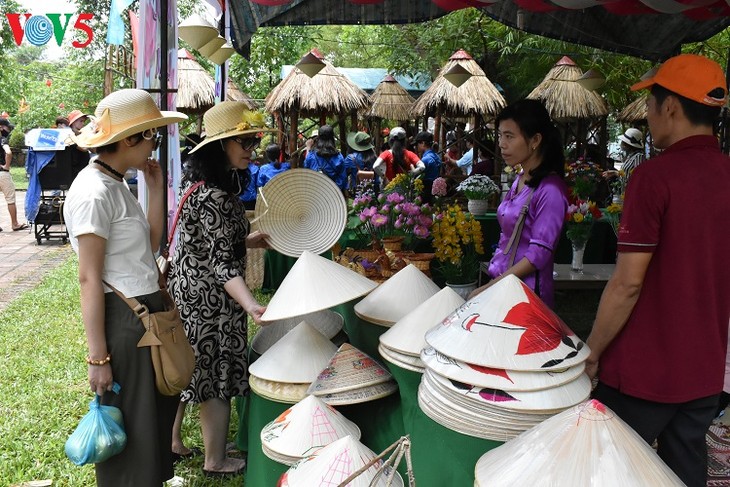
point(103, 361)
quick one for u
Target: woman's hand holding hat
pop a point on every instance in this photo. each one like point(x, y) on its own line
point(257, 240)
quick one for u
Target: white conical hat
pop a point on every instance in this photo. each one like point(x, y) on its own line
point(585, 445)
point(334, 463)
point(306, 427)
point(297, 358)
point(278, 391)
point(508, 327)
point(546, 400)
point(327, 322)
point(408, 362)
point(315, 283)
point(362, 394)
point(348, 369)
point(407, 334)
point(396, 297)
point(506, 380)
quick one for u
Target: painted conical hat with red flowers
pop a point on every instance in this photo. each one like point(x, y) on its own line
point(585, 445)
point(508, 327)
point(506, 380)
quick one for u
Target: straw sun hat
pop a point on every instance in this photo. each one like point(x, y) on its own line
point(121, 114)
point(229, 119)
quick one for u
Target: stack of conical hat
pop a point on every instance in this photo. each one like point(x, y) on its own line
point(500, 364)
point(396, 297)
point(333, 464)
point(304, 428)
point(352, 377)
point(327, 322)
point(401, 345)
point(287, 369)
point(584, 445)
point(315, 283)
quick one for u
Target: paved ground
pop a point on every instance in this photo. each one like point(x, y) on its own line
point(23, 262)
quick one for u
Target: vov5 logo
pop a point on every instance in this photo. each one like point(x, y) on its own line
point(39, 29)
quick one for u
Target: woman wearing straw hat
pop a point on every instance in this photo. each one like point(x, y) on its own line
point(397, 159)
point(359, 162)
point(208, 269)
point(326, 159)
point(114, 241)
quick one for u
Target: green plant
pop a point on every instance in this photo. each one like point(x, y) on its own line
point(457, 239)
point(17, 138)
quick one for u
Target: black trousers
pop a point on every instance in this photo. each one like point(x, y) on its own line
point(679, 429)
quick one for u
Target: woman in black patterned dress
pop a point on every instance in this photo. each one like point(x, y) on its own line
point(207, 273)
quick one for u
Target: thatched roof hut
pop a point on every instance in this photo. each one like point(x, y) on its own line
point(390, 101)
point(565, 99)
point(477, 96)
point(196, 87)
point(634, 112)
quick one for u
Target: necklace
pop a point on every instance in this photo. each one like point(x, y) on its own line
point(106, 166)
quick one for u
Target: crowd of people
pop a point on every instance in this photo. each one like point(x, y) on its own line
point(659, 342)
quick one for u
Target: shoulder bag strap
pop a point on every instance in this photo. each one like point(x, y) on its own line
point(514, 240)
point(143, 313)
point(184, 198)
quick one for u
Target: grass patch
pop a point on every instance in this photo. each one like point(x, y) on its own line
point(44, 390)
point(19, 179)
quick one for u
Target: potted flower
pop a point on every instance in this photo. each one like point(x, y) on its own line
point(579, 220)
point(457, 239)
point(583, 177)
point(478, 188)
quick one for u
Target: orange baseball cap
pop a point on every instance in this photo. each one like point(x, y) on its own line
point(75, 115)
point(691, 76)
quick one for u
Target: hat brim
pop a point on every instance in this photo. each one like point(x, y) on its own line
point(77, 117)
point(626, 141)
point(643, 84)
point(355, 146)
point(84, 138)
point(232, 133)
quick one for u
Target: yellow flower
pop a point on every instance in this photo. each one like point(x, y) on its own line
point(251, 119)
point(577, 217)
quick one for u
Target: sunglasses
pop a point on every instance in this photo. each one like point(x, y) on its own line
point(248, 143)
point(153, 134)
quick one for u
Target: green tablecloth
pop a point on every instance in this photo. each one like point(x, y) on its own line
point(261, 471)
point(441, 457)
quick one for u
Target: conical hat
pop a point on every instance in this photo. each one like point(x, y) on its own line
point(334, 463)
point(278, 391)
point(506, 380)
point(305, 427)
point(313, 284)
point(508, 327)
point(301, 210)
point(396, 297)
point(297, 358)
point(348, 369)
point(546, 400)
point(327, 322)
point(363, 394)
point(585, 445)
point(407, 334)
point(408, 362)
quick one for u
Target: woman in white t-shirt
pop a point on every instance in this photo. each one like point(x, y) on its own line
point(114, 241)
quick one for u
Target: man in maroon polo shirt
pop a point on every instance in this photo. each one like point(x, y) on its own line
point(659, 340)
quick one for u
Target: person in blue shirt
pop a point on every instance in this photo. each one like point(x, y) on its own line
point(359, 162)
point(424, 148)
point(466, 161)
point(326, 159)
point(248, 194)
point(273, 167)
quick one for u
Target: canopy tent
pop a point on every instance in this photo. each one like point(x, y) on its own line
point(652, 29)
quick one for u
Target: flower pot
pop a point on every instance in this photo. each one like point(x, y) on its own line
point(463, 290)
point(477, 207)
point(422, 261)
point(394, 244)
point(576, 264)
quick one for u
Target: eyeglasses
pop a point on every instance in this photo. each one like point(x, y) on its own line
point(153, 134)
point(248, 143)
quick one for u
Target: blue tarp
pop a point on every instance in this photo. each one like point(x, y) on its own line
point(34, 164)
point(369, 78)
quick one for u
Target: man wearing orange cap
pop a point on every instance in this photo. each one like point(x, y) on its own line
point(659, 340)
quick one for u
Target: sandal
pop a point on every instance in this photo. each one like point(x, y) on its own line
point(22, 226)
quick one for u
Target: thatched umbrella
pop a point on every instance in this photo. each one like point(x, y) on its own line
point(326, 93)
point(477, 96)
point(634, 112)
point(565, 99)
point(234, 93)
point(389, 101)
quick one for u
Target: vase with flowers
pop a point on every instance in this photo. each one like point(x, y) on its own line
point(612, 213)
point(457, 240)
point(478, 188)
point(582, 176)
point(579, 220)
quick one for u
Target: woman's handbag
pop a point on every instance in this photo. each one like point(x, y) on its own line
point(172, 356)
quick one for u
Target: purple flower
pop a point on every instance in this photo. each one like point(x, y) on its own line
point(368, 213)
point(420, 231)
point(439, 187)
point(379, 221)
point(425, 220)
point(395, 198)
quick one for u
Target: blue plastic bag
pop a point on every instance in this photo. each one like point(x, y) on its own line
point(99, 436)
